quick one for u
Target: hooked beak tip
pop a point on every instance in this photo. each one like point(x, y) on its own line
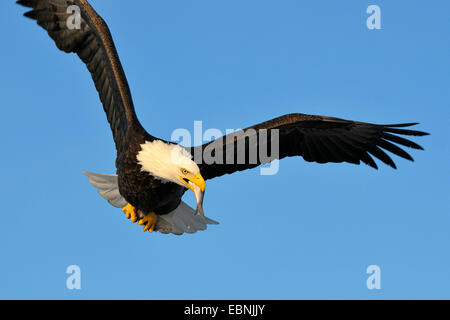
point(197, 185)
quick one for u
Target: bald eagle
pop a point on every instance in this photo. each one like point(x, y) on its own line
point(153, 174)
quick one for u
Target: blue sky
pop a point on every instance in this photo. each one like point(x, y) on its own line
point(308, 232)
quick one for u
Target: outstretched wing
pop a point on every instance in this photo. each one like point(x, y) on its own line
point(90, 39)
point(315, 138)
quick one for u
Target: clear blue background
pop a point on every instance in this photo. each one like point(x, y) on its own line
point(308, 232)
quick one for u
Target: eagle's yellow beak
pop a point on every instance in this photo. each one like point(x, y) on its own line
point(198, 181)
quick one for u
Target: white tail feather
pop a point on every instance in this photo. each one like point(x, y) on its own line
point(108, 187)
point(182, 220)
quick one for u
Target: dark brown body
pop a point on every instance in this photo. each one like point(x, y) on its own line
point(139, 188)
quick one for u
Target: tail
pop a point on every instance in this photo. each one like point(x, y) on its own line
point(182, 220)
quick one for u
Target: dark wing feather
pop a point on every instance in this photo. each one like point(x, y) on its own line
point(94, 45)
point(317, 139)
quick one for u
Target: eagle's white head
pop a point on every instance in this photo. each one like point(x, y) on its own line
point(170, 162)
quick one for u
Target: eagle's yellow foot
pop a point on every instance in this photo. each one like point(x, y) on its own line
point(149, 221)
point(130, 212)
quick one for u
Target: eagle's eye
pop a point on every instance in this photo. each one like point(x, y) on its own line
point(184, 171)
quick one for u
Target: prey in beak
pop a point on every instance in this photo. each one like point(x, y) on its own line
point(197, 184)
